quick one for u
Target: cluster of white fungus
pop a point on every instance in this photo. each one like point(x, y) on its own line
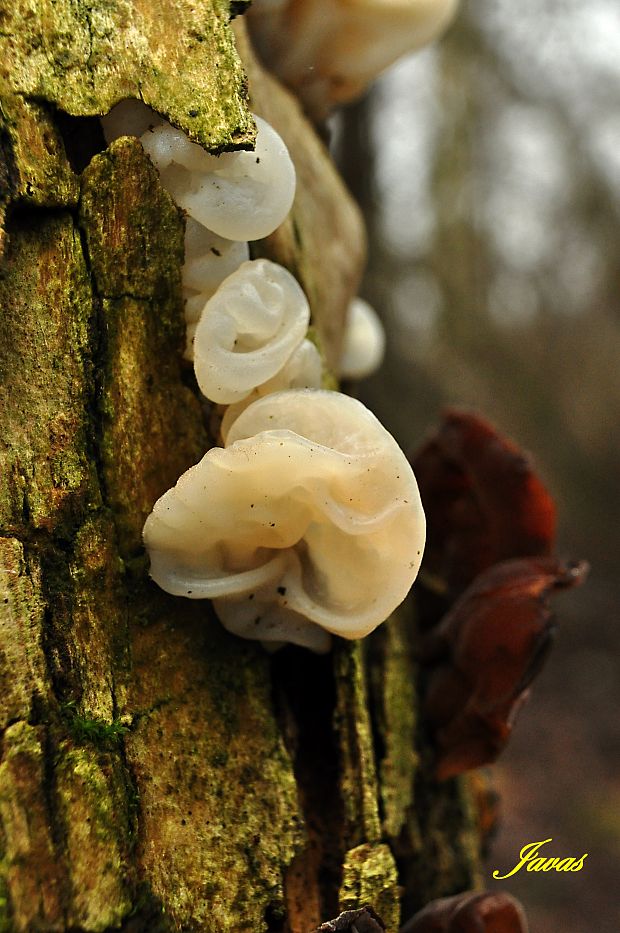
point(308, 522)
point(238, 195)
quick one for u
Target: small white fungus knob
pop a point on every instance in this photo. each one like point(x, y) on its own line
point(128, 118)
point(329, 51)
point(364, 341)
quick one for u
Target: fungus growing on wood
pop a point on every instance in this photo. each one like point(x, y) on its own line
point(239, 195)
point(209, 259)
point(329, 52)
point(485, 654)
point(302, 370)
point(471, 912)
point(248, 330)
point(308, 522)
point(364, 341)
point(129, 118)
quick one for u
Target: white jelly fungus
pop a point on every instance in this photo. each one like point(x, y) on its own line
point(129, 118)
point(329, 51)
point(303, 370)
point(364, 341)
point(209, 259)
point(239, 195)
point(308, 521)
point(248, 330)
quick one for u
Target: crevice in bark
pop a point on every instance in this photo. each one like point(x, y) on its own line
point(82, 138)
point(305, 703)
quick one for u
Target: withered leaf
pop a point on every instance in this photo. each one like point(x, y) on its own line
point(482, 499)
point(470, 912)
point(484, 655)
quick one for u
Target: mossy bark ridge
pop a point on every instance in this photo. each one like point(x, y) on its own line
point(156, 773)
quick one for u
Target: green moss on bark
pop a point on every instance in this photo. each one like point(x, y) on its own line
point(45, 332)
point(22, 662)
point(219, 819)
point(40, 173)
point(151, 424)
point(370, 877)
point(36, 877)
point(359, 787)
point(179, 57)
point(92, 805)
point(394, 708)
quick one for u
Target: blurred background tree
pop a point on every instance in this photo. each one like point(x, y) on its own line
point(488, 168)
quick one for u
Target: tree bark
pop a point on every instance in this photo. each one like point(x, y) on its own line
point(156, 773)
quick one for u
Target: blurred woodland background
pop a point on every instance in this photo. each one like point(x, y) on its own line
point(488, 168)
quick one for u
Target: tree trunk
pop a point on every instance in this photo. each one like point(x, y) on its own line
point(156, 773)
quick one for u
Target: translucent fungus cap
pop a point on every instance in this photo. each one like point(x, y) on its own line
point(309, 517)
point(302, 370)
point(129, 118)
point(364, 341)
point(209, 259)
point(238, 195)
point(248, 330)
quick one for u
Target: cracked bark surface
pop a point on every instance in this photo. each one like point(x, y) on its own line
point(155, 772)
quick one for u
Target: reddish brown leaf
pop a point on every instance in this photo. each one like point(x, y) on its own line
point(483, 501)
point(470, 913)
point(484, 655)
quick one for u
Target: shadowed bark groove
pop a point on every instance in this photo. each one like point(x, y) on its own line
point(156, 773)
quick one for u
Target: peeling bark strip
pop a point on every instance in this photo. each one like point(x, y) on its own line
point(323, 240)
point(147, 778)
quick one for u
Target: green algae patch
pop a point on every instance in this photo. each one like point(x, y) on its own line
point(40, 170)
point(151, 424)
point(83, 56)
point(394, 706)
point(37, 880)
point(45, 379)
point(93, 810)
point(22, 662)
point(369, 877)
point(87, 635)
point(358, 775)
point(219, 818)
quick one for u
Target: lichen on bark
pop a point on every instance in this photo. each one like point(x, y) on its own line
point(178, 57)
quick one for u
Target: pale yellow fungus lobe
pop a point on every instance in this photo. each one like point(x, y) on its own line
point(308, 522)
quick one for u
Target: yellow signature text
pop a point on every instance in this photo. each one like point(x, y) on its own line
point(532, 860)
